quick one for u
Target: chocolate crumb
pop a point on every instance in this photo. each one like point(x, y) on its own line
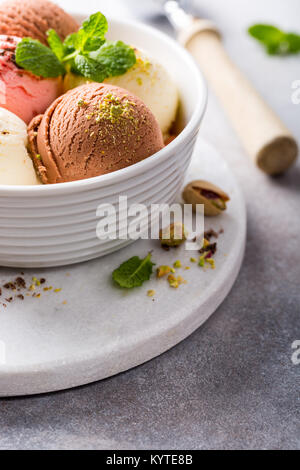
point(165, 247)
point(210, 234)
point(20, 296)
point(9, 285)
point(211, 249)
point(20, 282)
point(42, 281)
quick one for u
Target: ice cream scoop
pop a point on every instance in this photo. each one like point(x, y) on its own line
point(264, 136)
point(151, 82)
point(33, 18)
point(92, 130)
point(148, 80)
point(16, 166)
point(22, 93)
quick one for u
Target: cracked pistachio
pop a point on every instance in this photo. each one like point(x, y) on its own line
point(173, 235)
point(203, 192)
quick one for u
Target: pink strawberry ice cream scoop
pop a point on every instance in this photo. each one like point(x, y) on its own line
point(21, 92)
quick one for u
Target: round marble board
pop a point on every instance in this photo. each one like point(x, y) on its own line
point(91, 329)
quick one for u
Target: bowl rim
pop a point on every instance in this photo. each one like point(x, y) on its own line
point(129, 172)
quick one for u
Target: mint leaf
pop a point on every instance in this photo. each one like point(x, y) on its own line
point(275, 41)
point(266, 33)
point(33, 56)
point(134, 272)
point(116, 57)
point(71, 42)
point(293, 41)
point(89, 68)
point(95, 25)
point(90, 36)
point(56, 44)
point(94, 43)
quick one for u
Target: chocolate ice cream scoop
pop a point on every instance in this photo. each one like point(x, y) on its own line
point(33, 18)
point(92, 130)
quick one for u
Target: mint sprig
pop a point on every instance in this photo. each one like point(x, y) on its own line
point(275, 41)
point(89, 68)
point(56, 44)
point(40, 60)
point(116, 57)
point(85, 53)
point(93, 32)
point(134, 272)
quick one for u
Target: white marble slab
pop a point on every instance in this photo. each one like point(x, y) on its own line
point(92, 329)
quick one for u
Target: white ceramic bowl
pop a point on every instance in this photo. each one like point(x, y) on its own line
point(55, 225)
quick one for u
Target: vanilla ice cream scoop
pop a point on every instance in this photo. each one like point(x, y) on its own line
point(16, 166)
point(149, 81)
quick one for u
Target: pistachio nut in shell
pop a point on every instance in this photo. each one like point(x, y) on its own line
point(211, 196)
point(173, 235)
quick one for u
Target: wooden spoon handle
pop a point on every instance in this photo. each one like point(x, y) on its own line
point(264, 136)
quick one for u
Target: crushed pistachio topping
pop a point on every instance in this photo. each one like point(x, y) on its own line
point(211, 261)
point(163, 271)
point(205, 243)
point(142, 65)
point(115, 109)
point(175, 282)
point(82, 103)
point(207, 252)
point(151, 293)
point(177, 264)
point(36, 281)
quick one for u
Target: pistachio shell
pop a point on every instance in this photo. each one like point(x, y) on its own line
point(192, 194)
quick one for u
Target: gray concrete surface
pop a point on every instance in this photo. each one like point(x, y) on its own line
point(232, 384)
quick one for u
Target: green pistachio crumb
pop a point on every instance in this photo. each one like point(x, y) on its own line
point(177, 264)
point(82, 103)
